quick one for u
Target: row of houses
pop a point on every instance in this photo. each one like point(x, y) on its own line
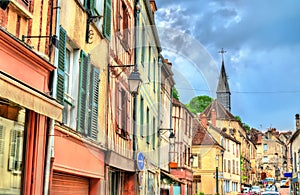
point(86, 107)
point(86, 101)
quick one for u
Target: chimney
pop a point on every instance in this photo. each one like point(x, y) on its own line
point(204, 120)
point(153, 6)
point(213, 117)
point(297, 121)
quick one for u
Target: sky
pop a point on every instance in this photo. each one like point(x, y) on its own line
point(262, 59)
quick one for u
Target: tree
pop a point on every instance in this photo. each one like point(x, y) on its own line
point(199, 103)
point(175, 93)
point(246, 126)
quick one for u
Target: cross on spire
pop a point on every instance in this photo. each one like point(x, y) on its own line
point(222, 52)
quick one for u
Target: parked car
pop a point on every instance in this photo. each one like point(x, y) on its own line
point(284, 183)
point(255, 190)
point(270, 193)
point(245, 190)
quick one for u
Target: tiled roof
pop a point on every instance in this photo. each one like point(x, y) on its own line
point(203, 137)
point(221, 112)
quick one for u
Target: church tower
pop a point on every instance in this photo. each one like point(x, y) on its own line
point(223, 91)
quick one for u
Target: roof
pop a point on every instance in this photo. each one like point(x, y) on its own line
point(227, 136)
point(221, 112)
point(203, 137)
point(223, 83)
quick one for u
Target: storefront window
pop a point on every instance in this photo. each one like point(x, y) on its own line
point(12, 119)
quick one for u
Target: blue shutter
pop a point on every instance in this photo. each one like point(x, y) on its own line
point(93, 115)
point(107, 19)
point(83, 93)
point(61, 65)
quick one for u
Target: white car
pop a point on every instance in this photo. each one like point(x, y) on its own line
point(255, 189)
point(270, 193)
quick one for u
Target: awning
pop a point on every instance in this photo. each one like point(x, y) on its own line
point(29, 98)
point(172, 177)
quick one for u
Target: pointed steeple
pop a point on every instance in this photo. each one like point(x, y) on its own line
point(223, 91)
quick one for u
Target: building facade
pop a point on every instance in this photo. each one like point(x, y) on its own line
point(78, 143)
point(26, 106)
point(181, 151)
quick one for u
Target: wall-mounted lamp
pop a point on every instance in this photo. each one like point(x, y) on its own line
point(134, 81)
point(4, 4)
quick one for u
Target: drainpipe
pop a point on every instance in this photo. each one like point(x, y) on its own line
point(50, 146)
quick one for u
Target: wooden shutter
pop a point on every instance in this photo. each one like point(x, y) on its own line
point(61, 65)
point(107, 19)
point(83, 93)
point(93, 130)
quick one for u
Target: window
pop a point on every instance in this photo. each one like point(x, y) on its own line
point(154, 76)
point(87, 107)
point(12, 135)
point(149, 63)
point(265, 147)
point(233, 149)
point(143, 54)
point(122, 112)
point(148, 125)
point(237, 167)
point(225, 165)
point(154, 133)
point(123, 24)
point(151, 184)
point(233, 166)
point(142, 117)
point(229, 166)
point(265, 160)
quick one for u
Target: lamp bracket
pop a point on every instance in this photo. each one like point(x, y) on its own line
point(125, 66)
point(53, 38)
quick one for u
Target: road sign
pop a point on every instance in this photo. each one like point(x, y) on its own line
point(140, 161)
point(288, 174)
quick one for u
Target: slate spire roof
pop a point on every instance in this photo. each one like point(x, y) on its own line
point(223, 91)
point(223, 85)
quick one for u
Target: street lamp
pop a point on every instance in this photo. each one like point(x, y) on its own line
point(217, 172)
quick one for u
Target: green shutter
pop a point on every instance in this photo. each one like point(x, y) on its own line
point(107, 19)
point(86, 4)
point(93, 115)
point(83, 93)
point(61, 65)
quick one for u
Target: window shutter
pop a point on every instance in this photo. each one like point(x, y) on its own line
point(83, 93)
point(107, 19)
point(2, 141)
point(12, 150)
point(93, 115)
point(61, 65)
point(94, 6)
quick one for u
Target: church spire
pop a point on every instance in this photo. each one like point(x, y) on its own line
point(223, 91)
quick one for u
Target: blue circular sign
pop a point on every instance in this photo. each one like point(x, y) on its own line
point(140, 161)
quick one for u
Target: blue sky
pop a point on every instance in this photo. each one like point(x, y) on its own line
point(262, 40)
